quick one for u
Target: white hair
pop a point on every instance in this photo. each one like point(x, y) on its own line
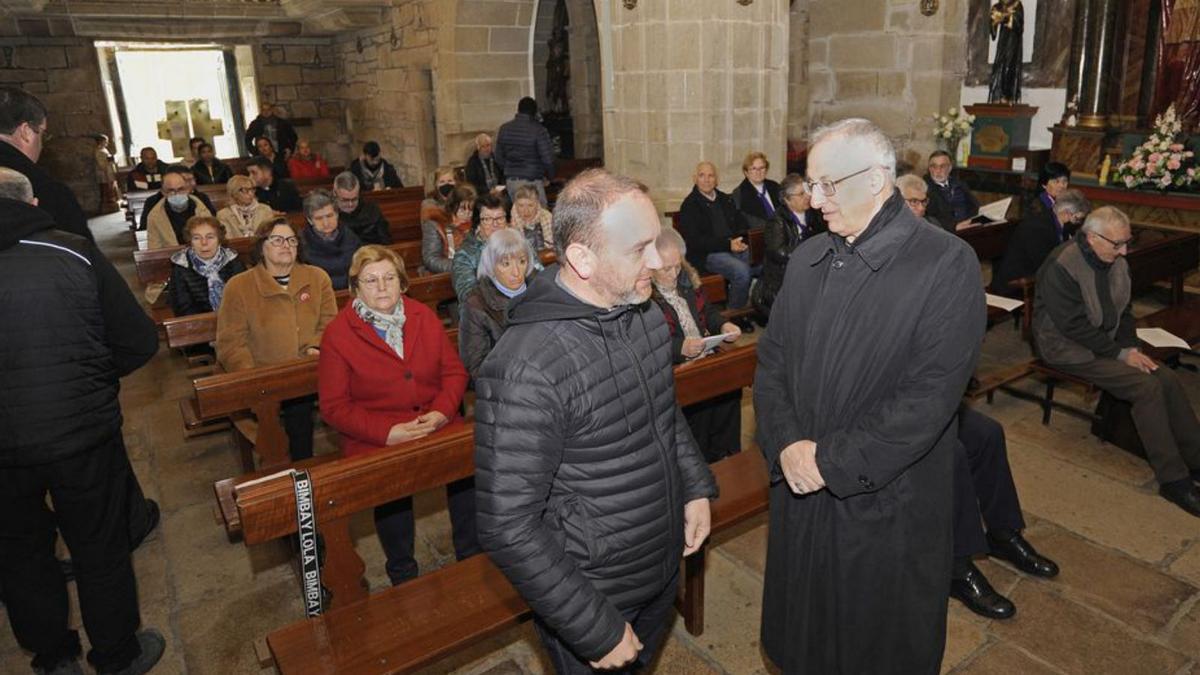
point(866, 134)
point(504, 244)
point(480, 139)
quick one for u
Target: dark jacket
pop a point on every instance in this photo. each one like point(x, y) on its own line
point(332, 255)
point(53, 196)
point(706, 315)
point(950, 205)
point(1034, 238)
point(708, 226)
point(746, 199)
point(484, 318)
point(583, 461)
point(867, 354)
point(1082, 306)
point(187, 289)
point(157, 197)
point(524, 150)
point(285, 134)
point(391, 179)
point(478, 177)
point(71, 329)
point(281, 196)
point(367, 221)
point(780, 237)
point(151, 179)
point(217, 174)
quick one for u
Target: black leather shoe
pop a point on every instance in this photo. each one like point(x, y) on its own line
point(1023, 556)
point(1182, 493)
point(974, 591)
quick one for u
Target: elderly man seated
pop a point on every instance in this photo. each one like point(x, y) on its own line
point(1035, 237)
point(483, 171)
point(148, 174)
point(167, 219)
point(154, 199)
point(951, 203)
point(362, 216)
point(1083, 325)
point(278, 193)
point(716, 236)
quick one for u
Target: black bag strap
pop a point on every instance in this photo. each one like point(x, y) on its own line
point(310, 558)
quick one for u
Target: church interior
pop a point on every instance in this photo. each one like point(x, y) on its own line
point(646, 89)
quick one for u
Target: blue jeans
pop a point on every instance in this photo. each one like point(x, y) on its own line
point(735, 267)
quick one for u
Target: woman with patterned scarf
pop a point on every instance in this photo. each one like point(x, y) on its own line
point(199, 271)
point(244, 213)
point(444, 230)
point(388, 374)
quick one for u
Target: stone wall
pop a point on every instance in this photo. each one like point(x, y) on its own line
point(694, 80)
point(884, 60)
point(386, 77)
point(300, 76)
point(797, 127)
point(46, 60)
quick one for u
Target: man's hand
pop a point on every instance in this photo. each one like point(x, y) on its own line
point(798, 462)
point(1136, 359)
point(966, 224)
point(738, 245)
point(621, 655)
point(697, 523)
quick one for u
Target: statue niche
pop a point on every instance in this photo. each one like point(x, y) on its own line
point(557, 111)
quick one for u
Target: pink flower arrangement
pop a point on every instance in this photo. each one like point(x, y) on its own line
point(1162, 162)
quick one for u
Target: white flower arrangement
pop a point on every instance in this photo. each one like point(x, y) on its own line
point(952, 126)
point(1162, 162)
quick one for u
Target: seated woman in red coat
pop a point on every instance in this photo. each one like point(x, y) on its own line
point(389, 374)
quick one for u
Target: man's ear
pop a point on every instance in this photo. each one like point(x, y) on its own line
point(33, 201)
point(581, 259)
point(878, 183)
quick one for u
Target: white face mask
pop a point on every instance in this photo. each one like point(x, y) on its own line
point(177, 202)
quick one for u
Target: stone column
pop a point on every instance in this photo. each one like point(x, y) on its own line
point(1093, 99)
point(693, 80)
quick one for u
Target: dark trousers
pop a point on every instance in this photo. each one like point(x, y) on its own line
point(90, 493)
point(716, 425)
point(297, 418)
point(397, 529)
point(1161, 413)
point(649, 622)
point(983, 484)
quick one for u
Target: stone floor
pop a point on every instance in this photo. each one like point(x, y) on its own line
point(1127, 601)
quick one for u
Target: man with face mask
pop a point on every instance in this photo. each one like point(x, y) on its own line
point(589, 486)
point(165, 221)
point(154, 199)
point(1036, 236)
point(374, 172)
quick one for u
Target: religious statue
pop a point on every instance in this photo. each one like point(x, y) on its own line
point(1007, 29)
point(558, 63)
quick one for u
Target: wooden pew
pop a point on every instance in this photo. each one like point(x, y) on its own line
point(441, 612)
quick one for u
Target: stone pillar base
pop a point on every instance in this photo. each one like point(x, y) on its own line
point(1082, 150)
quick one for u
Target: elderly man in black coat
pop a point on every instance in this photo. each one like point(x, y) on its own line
point(951, 203)
point(872, 340)
point(589, 486)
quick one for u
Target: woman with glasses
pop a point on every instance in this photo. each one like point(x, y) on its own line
point(445, 230)
point(200, 272)
point(327, 244)
point(795, 220)
point(757, 196)
point(505, 267)
point(388, 374)
point(488, 216)
point(245, 214)
point(274, 313)
point(716, 423)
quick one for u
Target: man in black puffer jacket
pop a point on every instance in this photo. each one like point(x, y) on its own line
point(590, 487)
point(71, 330)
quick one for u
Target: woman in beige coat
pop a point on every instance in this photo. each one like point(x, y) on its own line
point(245, 214)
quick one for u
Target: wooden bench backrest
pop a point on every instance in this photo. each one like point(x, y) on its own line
point(267, 509)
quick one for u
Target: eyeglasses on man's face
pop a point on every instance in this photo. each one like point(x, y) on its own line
point(917, 202)
point(827, 187)
point(1117, 245)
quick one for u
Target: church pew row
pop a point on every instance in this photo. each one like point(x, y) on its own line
point(406, 627)
point(252, 397)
